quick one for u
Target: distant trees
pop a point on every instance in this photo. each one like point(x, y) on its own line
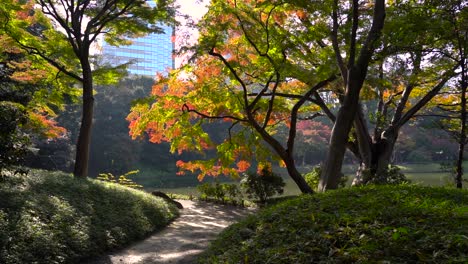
point(66, 43)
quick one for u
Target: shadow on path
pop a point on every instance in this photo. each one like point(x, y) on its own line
point(183, 239)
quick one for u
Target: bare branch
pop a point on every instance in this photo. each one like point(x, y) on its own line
point(352, 45)
point(335, 44)
point(297, 106)
point(186, 108)
point(271, 103)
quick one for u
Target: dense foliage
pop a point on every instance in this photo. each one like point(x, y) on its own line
point(55, 218)
point(262, 185)
point(372, 224)
point(220, 192)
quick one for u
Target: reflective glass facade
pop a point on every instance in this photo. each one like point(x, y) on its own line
point(150, 54)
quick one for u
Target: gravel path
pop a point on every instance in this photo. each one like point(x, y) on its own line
point(183, 239)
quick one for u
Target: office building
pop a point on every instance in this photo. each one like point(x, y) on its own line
point(150, 54)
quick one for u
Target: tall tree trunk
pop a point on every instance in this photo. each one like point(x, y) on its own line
point(462, 139)
point(366, 147)
point(332, 170)
point(84, 138)
point(353, 78)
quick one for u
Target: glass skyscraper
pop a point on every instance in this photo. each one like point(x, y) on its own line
point(150, 54)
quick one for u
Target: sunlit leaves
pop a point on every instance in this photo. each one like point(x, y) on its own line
point(252, 65)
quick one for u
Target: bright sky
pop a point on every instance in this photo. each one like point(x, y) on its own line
point(195, 9)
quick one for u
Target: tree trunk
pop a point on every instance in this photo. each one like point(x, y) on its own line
point(462, 139)
point(296, 176)
point(331, 172)
point(384, 151)
point(354, 79)
point(84, 138)
point(459, 176)
point(380, 157)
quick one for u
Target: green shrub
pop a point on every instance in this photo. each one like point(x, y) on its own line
point(14, 142)
point(220, 192)
point(392, 175)
point(51, 217)
point(313, 178)
point(263, 185)
point(370, 224)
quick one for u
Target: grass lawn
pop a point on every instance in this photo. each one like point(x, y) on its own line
point(371, 224)
point(52, 217)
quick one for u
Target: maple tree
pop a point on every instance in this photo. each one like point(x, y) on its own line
point(29, 91)
point(242, 74)
point(64, 37)
point(263, 64)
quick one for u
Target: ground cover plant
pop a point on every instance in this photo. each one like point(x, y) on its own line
point(371, 224)
point(54, 218)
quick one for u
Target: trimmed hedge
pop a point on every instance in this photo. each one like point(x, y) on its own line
point(50, 217)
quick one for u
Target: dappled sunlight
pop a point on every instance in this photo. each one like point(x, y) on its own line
point(184, 239)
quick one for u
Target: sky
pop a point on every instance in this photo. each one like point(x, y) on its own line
point(195, 9)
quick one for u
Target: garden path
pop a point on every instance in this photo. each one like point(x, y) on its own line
point(183, 240)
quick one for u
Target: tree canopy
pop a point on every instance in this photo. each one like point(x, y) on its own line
point(65, 33)
point(260, 65)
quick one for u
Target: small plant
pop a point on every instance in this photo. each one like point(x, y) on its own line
point(122, 179)
point(263, 185)
point(219, 191)
point(233, 192)
point(206, 191)
point(313, 177)
point(392, 175)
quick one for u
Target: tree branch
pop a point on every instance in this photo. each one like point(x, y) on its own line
point(186, 108)
point(335, 44)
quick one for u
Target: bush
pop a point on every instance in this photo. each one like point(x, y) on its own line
point(313, 178)
point(14, 142)
point(220, 192)
point(370, 224)
point(392, 175)
point(55, 218)
point(262, 186)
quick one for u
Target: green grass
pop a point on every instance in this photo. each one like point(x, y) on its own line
point(51, 217)
point(372, 224)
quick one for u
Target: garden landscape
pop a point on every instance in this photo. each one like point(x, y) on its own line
point(281, 131)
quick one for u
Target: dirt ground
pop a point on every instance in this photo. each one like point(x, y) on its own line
point(183, 240)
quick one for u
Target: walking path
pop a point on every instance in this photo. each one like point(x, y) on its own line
point(184, 239)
